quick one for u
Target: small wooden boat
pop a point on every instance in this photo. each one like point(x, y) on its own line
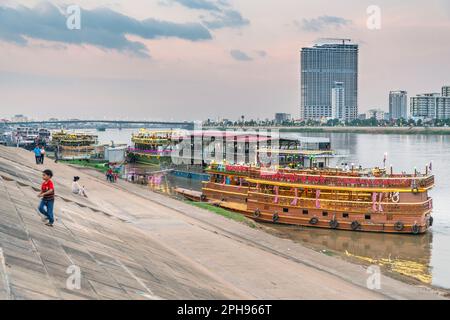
point(189, 194)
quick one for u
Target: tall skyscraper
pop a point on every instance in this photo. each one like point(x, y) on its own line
point(446, 91)
point(398, 105)
point(321, 67)
point(338, 101)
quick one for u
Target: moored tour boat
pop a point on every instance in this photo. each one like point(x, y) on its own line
point(151, 146)
point(348, 199)
point(73, 145)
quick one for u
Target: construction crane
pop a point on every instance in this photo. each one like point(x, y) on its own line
point(336, 39)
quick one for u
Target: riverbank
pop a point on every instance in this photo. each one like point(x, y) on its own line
point(196, 249)
point(367, 130)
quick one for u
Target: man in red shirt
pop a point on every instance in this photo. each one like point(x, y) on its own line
point(47, 195)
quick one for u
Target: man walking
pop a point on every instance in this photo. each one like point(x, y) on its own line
point(47, 196)
point(42, 154)
point(37, 154)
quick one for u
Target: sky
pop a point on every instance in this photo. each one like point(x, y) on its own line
point(199, 59)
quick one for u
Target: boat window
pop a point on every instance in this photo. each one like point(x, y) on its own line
point(285, 209)
point(345, 215)
point(305, 212)
point(367, 217)
point(324, 213)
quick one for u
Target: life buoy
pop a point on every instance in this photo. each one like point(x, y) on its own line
point(257, 213)
point(334, 224)
point(396, 197)
point(314, 221)
point(355, 225)
point(275, 217)
point(415, 228)
point(399, 226)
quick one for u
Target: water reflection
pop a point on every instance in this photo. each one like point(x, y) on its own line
point(404, 254)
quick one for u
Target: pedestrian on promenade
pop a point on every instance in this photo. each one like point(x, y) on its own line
point(47, 196)
point(77, 189)
point(42, 154)
point(37, 154)
point(57, 154)
point(110, 175)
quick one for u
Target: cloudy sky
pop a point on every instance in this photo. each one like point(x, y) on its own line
point(198, 59)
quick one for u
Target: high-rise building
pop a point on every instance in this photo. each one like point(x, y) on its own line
point(398, 105)
point(378, 114)
point(322, 66)
point(282, 117)
point(431, 106)
point(446, 91)
point(338, 101)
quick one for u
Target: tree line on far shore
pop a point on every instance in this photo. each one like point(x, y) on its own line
point(372, 122)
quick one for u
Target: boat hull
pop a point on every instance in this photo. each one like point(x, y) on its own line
point(242, 200)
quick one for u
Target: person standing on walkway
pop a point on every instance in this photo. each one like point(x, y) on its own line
point(37, 154)
point(57, 153)
point(42, 154)
point(47, 196)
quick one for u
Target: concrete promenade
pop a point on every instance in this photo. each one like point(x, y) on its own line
point(131, 243)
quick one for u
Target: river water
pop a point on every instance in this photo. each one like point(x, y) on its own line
point(425, 257)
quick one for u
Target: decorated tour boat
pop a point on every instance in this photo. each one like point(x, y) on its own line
point(74, 145)
point(357, 199)
point(150, 146)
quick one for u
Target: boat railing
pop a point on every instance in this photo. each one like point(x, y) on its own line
point(328, 177)
point(361, 182)
point(340, 205)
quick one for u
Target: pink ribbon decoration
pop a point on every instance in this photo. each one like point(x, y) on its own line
point(380, 207)
point(294, 202)
point(276, 194)
point(374, 201)
point(317, 199)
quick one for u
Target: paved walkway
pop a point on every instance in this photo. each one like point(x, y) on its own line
point(163, 248)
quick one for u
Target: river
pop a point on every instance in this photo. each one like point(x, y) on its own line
point(425, 257)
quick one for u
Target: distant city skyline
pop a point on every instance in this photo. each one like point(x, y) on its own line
point(193, 60)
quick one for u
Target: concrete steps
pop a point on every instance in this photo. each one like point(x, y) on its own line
point(116, 261)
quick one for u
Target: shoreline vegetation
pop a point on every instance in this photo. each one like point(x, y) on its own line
point(326, 129)
point(101, 167)
point(223, 212)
